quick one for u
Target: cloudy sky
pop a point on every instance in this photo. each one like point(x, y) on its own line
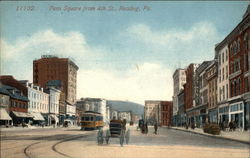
point(121, 54)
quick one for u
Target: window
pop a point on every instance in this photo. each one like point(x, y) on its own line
point(231, 49)
point(238, 45)
point(223, 92)
point(226, 54)
point(223, 74)
point(245, 42)
point(227, 91)
point(246, 85)
point(235, 47)
point(239, 84)
point(223, 57)
point(246, 56)
point(226, 72)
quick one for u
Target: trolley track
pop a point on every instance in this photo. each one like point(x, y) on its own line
point(53, 147)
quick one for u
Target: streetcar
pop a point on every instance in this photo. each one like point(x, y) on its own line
point(91, 120)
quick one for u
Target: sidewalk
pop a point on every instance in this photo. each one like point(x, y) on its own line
point(239, 136)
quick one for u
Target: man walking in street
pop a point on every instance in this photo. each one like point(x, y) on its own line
point(155, 127)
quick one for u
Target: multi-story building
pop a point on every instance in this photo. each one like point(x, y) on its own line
point(179, 78)
point(113, 114)
point(38, 102)
point(18, 107)
point(54, 96)
point(211, 74)
point(181, 111)
point(5, 119)
point(223, 82)
point(62, 101)
point(53, 68)
point(97, 105)
point(152, 111)
point(190, 90)
point(166, 113)
point(198, 113)
point(238, 43)
point(125, 115)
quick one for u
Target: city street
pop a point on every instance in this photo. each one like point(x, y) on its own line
point(72, 142)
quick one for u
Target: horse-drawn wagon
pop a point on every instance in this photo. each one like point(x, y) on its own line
point(117, 129)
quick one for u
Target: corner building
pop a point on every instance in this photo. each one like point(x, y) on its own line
point(53, 68)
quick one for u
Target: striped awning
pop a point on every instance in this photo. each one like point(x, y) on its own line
point(4, 115)
point(22, 114)
point(37, 116)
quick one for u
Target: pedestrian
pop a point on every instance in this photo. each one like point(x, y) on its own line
point(230, 126)
point(146, 128)
point(155, 127)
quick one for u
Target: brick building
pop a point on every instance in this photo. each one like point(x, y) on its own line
point(212, 77)
point(190, 89)
point(166, 113)
point(18, 108)
point(239, 73)
point(53, 68)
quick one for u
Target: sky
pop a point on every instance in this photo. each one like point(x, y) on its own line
point(129, 51)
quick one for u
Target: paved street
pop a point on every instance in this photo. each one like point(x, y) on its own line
point(71, 142)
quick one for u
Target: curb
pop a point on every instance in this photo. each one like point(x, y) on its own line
point(213, 136)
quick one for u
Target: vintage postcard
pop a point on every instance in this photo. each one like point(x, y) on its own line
point(124, 79)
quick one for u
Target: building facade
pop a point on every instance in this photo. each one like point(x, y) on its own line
point(190, 91)
point(166, 113)
point(54, 96)
point(97, 105)
point(223, 82)
point(125, 115)
point(152, 111)
point(5, 119)
point(18, 107)
point(179, 78)
point(238, 43)
point(38, 105)
point(53, 68)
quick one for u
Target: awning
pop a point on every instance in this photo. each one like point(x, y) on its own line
point(37, 116)
point(4, 115)
point(22, 114)
point(54, 117)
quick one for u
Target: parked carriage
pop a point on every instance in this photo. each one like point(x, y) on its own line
point(117, 129)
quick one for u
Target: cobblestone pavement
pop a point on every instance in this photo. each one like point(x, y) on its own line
point(71, 142)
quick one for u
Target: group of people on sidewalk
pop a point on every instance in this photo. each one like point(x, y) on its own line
point(143, 125)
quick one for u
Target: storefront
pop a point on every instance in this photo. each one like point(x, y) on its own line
point(5, 119)
point(247, 116)
point(247, 110)
point(38, 119)
point(20, 117)
point(53, 120)
point(236, 114)
point(223, 112)
point(213, 115)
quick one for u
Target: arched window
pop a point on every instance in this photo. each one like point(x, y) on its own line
point(238, 45)
point(231, 50)
point(235, 47)
point(245, 42)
